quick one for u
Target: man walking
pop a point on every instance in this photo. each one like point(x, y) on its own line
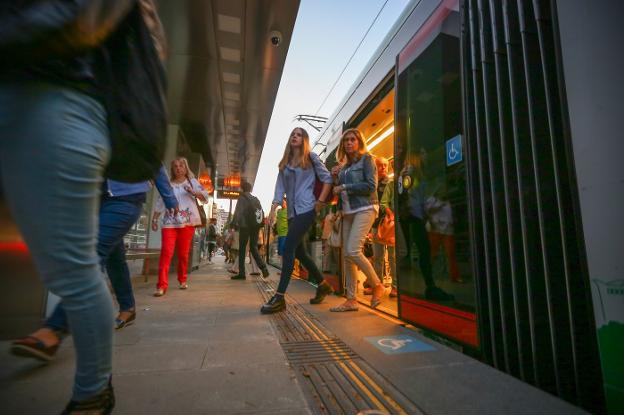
point(248, 219)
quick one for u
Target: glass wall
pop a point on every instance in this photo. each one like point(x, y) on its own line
point(436, 284)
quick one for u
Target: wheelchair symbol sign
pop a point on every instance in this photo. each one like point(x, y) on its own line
point(399, 344)
point(454, 150)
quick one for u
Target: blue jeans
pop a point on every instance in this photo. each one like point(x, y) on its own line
point(281, 241)
point(117, 215)
point(298, 226)
point(54, 147)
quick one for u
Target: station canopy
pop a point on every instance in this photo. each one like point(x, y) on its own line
point(224, 73)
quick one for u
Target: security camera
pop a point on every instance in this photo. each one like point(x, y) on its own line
point(275, 36)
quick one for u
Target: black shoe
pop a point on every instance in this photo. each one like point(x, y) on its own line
point(265, 273)
point(103, 401)
point(437, 294)
point(322, 291)
point(238, 277)
point(275, 304)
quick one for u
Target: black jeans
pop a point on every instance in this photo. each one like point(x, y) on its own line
point(250, 236)
point(294, 247)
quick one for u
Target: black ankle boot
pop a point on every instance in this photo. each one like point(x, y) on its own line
point(322, 291)
point(103, 401)
point(265, 273)
point(275, 304)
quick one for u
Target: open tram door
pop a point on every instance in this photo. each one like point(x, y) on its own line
point(435, 282)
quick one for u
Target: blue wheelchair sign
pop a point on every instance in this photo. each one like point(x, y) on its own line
point(454, 150)
point(399, 344)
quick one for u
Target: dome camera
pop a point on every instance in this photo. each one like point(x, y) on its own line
point(275, 36)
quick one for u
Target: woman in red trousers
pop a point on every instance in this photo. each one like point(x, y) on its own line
point(178, 228)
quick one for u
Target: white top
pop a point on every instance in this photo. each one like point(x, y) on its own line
point(188, 214)
point(346, 207)
point(440, 214)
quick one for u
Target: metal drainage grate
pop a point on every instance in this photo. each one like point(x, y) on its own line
point(335, 379)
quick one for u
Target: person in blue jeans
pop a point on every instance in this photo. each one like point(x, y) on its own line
point(120, 207)
point(299, 170)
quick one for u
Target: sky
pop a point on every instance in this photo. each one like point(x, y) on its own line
point(325, 35)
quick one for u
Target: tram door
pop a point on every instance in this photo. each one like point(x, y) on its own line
point(435, 281)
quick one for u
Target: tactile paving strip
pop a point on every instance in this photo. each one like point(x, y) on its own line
point(336, 380)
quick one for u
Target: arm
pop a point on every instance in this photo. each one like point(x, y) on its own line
point(324, 176)
point(387, 199)
point(369, 184)
point(278, 196)
point(45, 29)
point(199, 191)
point(163, 185)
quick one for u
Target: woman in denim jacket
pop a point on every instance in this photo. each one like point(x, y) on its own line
point(357, 188)
point(299, 170)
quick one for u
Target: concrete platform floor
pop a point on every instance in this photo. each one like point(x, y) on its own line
point(208, 350)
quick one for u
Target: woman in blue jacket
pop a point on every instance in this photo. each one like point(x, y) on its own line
point(298, 171)
point(357, 188)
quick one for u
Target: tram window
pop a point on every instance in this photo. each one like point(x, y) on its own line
point(433, 250)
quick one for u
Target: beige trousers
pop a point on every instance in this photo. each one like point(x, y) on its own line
point(355, 227)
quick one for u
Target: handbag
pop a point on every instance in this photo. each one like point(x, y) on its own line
point(133, 80)
point(200, 209)
point(385, 230)
point(318, 185)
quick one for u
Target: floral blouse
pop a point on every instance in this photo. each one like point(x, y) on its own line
point(188, 214)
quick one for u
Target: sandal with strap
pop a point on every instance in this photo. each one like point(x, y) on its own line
point(121, 323)
point(31, 346)
point(103, 401)
point(344, 307)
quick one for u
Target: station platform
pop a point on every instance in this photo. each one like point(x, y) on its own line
point(208, 350)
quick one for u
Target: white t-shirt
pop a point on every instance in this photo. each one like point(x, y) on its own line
point(188, 214)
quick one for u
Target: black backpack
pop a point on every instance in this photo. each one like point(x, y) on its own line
point(254, 215)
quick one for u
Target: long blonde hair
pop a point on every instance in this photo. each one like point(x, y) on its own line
point(341, 154)
point(189, 174)
point(304, 160)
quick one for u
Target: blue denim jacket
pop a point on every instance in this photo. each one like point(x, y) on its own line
point(162, 183)
point(360, 181)
point(298, 184)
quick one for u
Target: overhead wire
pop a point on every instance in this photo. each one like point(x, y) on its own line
point(351, 58)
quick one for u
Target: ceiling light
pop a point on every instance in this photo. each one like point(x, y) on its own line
point(229, 54)
point(381, 137)
point(228, 23)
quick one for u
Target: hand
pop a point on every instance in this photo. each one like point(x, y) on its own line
point(319, 205)
point(338, 189)
point(154, 225)
point(335, 170)
point(189, 189)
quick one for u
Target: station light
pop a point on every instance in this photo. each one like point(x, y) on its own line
point(232, 181)
point(206, 182)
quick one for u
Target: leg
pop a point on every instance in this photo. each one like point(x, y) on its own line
point(116, 218)
point(119, 275)
point(379, 257)
point(54, 143)
point(349, 266)
point(419, 235)
point(242, 250)
point(449, 248)
point(435, 240)
point(169, 236)
point(183, 248)
point(304, 258)
point(297, 228)
point(354, 242)
point(253, 251)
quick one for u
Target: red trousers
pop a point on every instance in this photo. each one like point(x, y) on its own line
point(178, 239)
point(448, 242)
